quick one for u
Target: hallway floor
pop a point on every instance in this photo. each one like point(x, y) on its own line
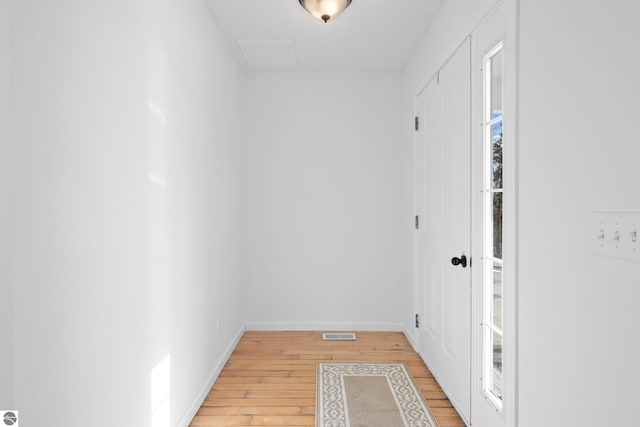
point(270, 379)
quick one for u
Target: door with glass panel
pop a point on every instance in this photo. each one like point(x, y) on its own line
point(495, 224)
point(443, 261)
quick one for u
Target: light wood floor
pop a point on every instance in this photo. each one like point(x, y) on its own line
point(270, 379)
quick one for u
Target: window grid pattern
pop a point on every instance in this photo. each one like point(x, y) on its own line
point(493, 190)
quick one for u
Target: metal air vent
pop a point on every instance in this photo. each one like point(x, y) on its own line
point(339, 337)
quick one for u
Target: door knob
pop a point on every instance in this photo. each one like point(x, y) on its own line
point(459, 261)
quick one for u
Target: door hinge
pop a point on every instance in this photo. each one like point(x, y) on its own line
point(417, 320)
point(417, 222)
point(417, 123)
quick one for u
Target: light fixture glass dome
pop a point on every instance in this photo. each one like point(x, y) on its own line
point(325, 10)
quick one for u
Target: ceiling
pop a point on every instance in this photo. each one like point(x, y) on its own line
point(280, 34)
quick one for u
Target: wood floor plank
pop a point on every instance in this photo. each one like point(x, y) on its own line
point(303, 420)
point(221, 420)
point(259, 402)
point(289, 380)
point(226, 394)
point(247, 373)
point(304, 386)
point(270, 379)
point(267, 394)
point(254, 410)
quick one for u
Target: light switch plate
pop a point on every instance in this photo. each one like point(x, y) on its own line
point(617, 234)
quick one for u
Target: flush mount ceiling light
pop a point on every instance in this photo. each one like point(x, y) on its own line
point(325, 10)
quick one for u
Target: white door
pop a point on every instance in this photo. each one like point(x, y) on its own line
point(443, 185)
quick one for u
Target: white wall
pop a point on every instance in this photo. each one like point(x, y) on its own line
point(324, 217)
point(579, 151)
point(205, 199)
point(126, 152)
point(6, 294)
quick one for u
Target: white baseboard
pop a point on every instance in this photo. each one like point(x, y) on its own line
point(410, 337)
point(325, 326)
point(186, 420)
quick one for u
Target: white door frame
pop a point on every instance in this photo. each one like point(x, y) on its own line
point(503, 22)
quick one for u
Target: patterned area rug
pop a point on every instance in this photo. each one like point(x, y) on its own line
point(369, 395)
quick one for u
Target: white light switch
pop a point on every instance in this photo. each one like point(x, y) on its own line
point(617, 234)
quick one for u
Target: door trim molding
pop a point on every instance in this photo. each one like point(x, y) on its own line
point(510, 155)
